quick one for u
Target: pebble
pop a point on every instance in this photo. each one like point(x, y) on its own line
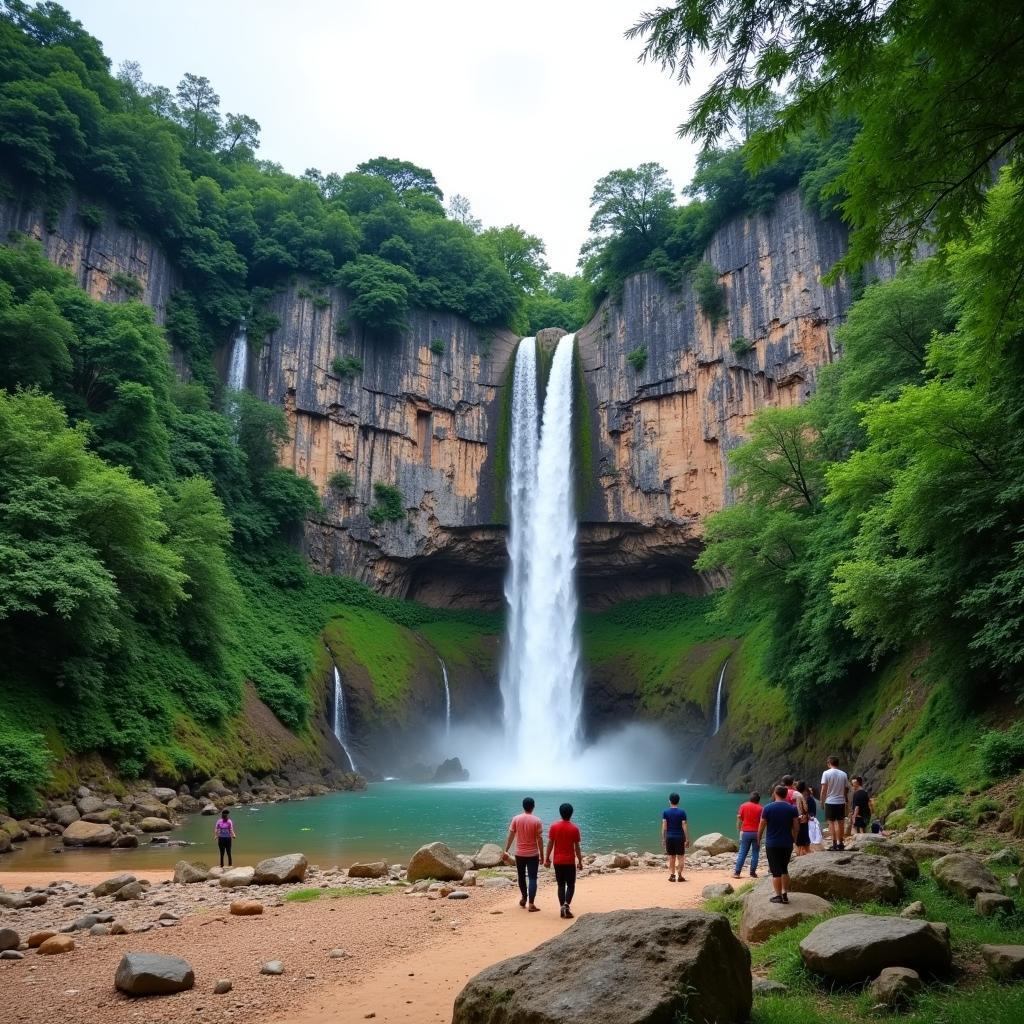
point(272, 967)
point(12, 954)
point(222, 986)
point(337, 954)
point(168, 916)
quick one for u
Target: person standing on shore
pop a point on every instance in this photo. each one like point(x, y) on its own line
point(224, 832)
point(835, 790)
point(861, 805)
point(748, 821)
point(780, 821)
point(803, 806)
point(675, 836)
point(527, 831)
point(564, 843)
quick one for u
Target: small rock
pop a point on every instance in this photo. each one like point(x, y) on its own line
point(99, 930)
point(1004, 962)
point(118, 929)
point(110, 885)
point(987, 904)
point(337, 954)
point(222, 986)
point(373, 869)
point(710, 892)
point(189, 872)
point(246, 908)
point(913, 910)
point(272, 967)
point(57, 944)
point(12, 954)
point(9, 939)
point(36, 939)
point(896, 986)
point(458, 895)
point(154, 824)
point(764, 987)
point(153, 974)
point(1004, 856)
point(131, 891)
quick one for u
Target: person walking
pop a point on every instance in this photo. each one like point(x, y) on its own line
point(675, 836)
point(564, 844)
point(748, 821)
point(835, 790)
point(527, 831)
point(224, 832)
point(787, 781)
point(779, 823)
point(861, 805)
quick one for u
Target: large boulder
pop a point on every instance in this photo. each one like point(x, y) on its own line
point(435, 860)
point(964, 875)
point(878, 846)
point(65, 815)
point(110, 885)
point(153, 974)
point(187, 872)
point(625, 967)
point(1004, 962)
point(154, 824)
point(854, 947)
point(715, 843)
point(374, 869)
point(855, 877)
point(164, 794)
point(279, 870)
point(5, 842)
point(88, 833)
point(88, 804)
point(488, 856)
point(922, 851)
point(762, 919)
point(233, 878)
point(132, 891)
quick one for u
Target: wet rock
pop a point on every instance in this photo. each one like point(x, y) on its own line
point(154, 824)
point(896, 986)
point(964, 875)
point(88, 833)
point(715, 843)
point(1003, 961)
point(451, 771)
point(435, 860)
point(153, 974)
point(56, 944)
point(125, 841)
point(281, 870)
point(110, 885)
point(209, 809)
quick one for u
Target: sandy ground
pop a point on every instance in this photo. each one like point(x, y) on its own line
point(407, 956)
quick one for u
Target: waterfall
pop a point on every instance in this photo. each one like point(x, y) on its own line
point(718, 698)
point(541, 683)
point(238, 368)
point(447, 699)
point(341, 718)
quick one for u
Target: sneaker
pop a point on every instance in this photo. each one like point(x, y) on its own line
point(841, 847)
point(785, 897)
point(671, 878)
point(533, 909)
point(562, 910)
point(680, 879)
point(522, 902)
point(569, 913)
point(777, 899)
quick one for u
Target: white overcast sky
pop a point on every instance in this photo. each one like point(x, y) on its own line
point(521, 107)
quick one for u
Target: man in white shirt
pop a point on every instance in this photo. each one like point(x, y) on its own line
point(835, 792)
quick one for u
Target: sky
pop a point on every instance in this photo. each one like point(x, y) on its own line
point(519, 107)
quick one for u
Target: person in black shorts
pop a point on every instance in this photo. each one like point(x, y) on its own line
point(861, 805)
point(675, 836)
point(780, 821)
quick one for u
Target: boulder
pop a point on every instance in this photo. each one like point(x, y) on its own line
point(279, 870)
point(131, 891)
point(451, 771)
point(89, 804)
point(1006, 856)
point(607, 861)
point(854, 947)
point(963, 875)
point(5, 842)
point(272, 967)
point(213, 787)
point(105, 817)
point(898, 817)
point(65, 815)
point(246, 908)
point(624, 967)
point(374, 869)
point(151, 824)
point(126, 840)
point(188, 872)
point(896, 986)
point(1004, 962)
point(923, 851)
point(764, 987)
point(235, 877)
point(987, 904)
point(488, 856)
point(715, 843)
point(717, 891)
point(148, 807)
point(9, 939)
point(435, 860)
point(913, 910)
point(56, 944)
point(88, 833)
point(878, 846)
point(940, 828)
point(855, 877)
point(110, 885)
point(163, 794)
point(13, 829)
point(153, 974)
point(762, 919)
point(209, 809)
point(36, 939)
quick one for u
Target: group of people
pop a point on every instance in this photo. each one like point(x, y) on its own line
point(790, 822)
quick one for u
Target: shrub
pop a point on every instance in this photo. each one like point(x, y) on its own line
point(91, 216)
point(710, 292)
point(1001, 752)
point(437, 347)
point(340, 482)
point(637, 358)
point(24, 765)
point(128, 283)
point(741, 345)
point(342, 328)
point(390, 505)
point(346, 367)
point(321, 302)
point(931, 785)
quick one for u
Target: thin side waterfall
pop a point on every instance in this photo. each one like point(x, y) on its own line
point(542, 691)
point(718, 698)
point(341, 718)
point(238, 368)
point(447, 699)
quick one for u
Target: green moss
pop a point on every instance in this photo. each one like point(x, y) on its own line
point(308, 895)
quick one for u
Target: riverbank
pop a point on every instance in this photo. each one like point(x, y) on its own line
point(405, 956)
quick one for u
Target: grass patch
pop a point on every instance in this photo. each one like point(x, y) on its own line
point(345, 892)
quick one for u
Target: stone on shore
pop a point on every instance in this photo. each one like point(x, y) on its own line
point(856, 877)
point(499, 882)
point(65, 815)
point(854, 947)
point(246, 908)
point(435, 860)
point(1004, 962)
point(189, 872)
point(110, 885)
point(624, 967)
point(488, 856)
point(762, 919)
point(88, 833)
point(222, 986)
point(988, 904)
point(164, 794)
point(153, 974)
point(279, 870)
point(235, 877)
point(608, 861)
point(56, 944)
point(131, 891)
point(715, 843)
point(36, 939)
point(272, 967)
point(896, 986)
point(717, 891)
point(963, 875)
point(373, 869)
point(9, 939)
point(153, 824)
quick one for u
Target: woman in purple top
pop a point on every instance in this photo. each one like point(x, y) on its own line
point(224, 832)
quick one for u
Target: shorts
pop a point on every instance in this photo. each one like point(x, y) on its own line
point(803, 834)
point(835, 812)
point(675, 846)
point(778, 860)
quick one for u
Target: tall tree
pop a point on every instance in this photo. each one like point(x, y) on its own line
point(199, 110)
point(521, 254)
point(405, 177)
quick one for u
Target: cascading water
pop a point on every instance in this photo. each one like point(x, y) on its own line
point(341, 718)
point(238, 368)
point(447, 699)
point(540, 683)
point(718, 698)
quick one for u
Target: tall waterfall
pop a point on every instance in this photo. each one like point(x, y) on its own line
point(447, 699)
point(341, 718)
point(238, 368)
point(541, 682)
point(718, 698)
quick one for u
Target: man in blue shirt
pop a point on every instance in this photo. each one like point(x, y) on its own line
point(675, 835)
point(780, 822)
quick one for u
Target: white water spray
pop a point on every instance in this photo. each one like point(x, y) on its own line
point(238, 368)
point(718, 698)
point(447, 699)
point(341, 718)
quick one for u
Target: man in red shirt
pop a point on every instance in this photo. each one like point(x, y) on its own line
point(527, 832)
point(564, 841)
point(748, 821)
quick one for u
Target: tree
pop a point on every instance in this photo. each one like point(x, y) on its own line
point(405, 178)
point(636, 201)
point(241, 133)
point(198, 111)
point(460, 210)
point(521, 254)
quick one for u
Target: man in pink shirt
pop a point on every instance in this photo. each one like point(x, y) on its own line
point(528, 832)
